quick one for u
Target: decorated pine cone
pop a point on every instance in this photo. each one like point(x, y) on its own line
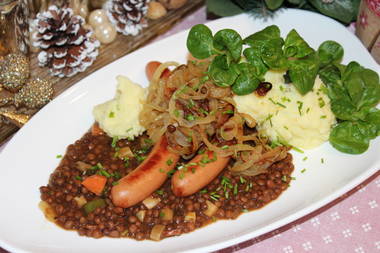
point(128, 15)
point(66, 46)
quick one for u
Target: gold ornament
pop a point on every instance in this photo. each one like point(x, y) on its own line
point(14, 71)
point(35, 94)
point(16, 118)
point(105, 33)
point(98, 17)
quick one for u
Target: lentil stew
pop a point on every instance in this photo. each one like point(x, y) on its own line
point(73, 207)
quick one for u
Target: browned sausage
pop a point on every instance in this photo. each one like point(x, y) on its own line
point(146, 178)
point(199, 172)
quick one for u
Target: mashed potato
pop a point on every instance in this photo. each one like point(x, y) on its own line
point(119, 117)
point(285, 115)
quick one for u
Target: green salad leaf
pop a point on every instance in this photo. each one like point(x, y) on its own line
point(303, 72)
point(330, 52)
point(200, 41)
point(230, 41)
point(296, 46)
point(247, 81)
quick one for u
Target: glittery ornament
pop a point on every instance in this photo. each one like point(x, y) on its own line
point(16, 118)
point(6, 97)
point(35, 94)
point(14, 71)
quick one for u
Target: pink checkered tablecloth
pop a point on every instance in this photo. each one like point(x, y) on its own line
point(348, 224)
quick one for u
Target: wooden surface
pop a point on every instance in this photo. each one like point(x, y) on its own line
point(109, 53)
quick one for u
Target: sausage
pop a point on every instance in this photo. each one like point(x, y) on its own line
point(146, 178)
point(151, 67)
point(196, 174)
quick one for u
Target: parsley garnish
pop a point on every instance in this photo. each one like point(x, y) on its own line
point(228, 112)
point(215, 196)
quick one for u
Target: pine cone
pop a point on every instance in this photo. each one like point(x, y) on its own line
point(67, 47)
point(128, 15)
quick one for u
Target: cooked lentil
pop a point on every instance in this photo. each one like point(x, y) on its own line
point(231, 194)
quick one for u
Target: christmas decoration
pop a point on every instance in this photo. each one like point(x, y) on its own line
point(16, 118)
point(155, 10)
point(35, 94)
point(14, 71)
point(66, 46)
point(104, 31)
point(128, 15)
point(79, 7)
point(173, 4)
point(368, 26)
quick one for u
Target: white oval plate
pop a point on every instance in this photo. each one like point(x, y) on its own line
point(30, 157)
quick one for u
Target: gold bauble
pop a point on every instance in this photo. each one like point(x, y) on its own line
point(35, 94)
point(14, 71)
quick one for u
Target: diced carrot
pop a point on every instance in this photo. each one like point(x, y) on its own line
point(151, 68)
point(96, 130)
point(95, 183)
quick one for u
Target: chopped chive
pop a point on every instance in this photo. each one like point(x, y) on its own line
point(78, 178)
point(214, 196)
point(300, 104)
point(242, 180)
point(286, 127)
point(162, 170)
point(129, 129)
point(244, 210)
point(169, 162)
point(308, 110)
point(160, 192)
point(323, 116)
point(191, 103)
point(115, 183)
point(59, 156)
point(203, 111)
point(181, 175)
point(303, 170)
point(227, 194)
point(111, 115)
point(235, 189)
point(284, 179)
point(304, 159)
point(297, 149)
point(105, 173)
point(228, 112)
point(126, 162)
point(321, 102)
point(201, 151)
point(162, 214)
point(322, 160)
point(193, 170)
point(293, 178)
point(225, 147)
point(170, 173)
point(190, 117)
point(176, 113)
point(115, 139)
point(203, 191)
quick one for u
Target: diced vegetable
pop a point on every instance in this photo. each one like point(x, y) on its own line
point(211, 208)
point(93, 204)
point(151, 202)
point(166, 214)
point(141, 215)
point(81, 201)
point(125, 152)
point(82, 166)
point(95, 184)
point(156, 232)
point(190, 217)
